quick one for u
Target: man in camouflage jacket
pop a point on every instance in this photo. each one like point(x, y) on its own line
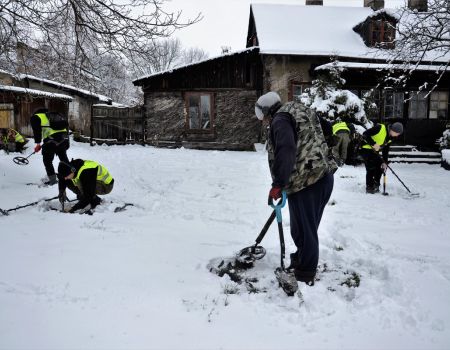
point(301, 164)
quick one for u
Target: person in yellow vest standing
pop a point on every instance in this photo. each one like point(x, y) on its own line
point(50, 129)
point(377, 139)
point(87, 179)
point(342, 132)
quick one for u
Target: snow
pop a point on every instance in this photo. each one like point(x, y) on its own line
point(379, 66)
point(317, 30)
point(446, 155)
point(33, 92)
point(138, 279)
point(102, 98)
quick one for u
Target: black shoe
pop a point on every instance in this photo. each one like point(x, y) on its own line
point(52, 180)
point(305, 276)
point(372, 190)
point(96, 201)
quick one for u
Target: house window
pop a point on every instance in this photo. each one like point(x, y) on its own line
point(382, 33)
point(393, 105)
point(296, 90)
point(418, 105)
point(439, 105)
point(373, 98)
point(199, 111)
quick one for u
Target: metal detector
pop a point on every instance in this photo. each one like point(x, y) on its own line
point(22, 160)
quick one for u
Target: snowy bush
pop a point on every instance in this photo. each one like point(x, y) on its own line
point(330, 101)
point(444, 141)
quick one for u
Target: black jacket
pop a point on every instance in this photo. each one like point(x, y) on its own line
point(367, 135)
point(35, 122)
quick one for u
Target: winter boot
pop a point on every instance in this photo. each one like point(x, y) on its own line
point(305, 276)
point(52, 180)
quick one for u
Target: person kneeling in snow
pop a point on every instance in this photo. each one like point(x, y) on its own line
point(300, 163)
point(86, 179)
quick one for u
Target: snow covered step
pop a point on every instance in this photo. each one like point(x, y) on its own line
point(410, 154)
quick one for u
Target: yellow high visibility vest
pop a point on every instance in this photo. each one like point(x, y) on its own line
point(103, 174)
point(340, 126)
point(379, 138)
point(18, 138)
point(47, 131)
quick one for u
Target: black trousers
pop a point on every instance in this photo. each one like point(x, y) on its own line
point(373, 162)
point(306, 209)
point(57, 145)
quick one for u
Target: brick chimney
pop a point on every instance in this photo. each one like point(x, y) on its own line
point(314, 2)
point(374, 4)
point(419, 5)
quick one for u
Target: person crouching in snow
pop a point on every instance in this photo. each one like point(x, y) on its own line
point(87, 179)
point(300, 163)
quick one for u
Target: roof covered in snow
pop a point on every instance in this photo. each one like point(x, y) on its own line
point(381, 66)
point(314, 30)
point(76, 90)
point(310, 30)
point(34, 92)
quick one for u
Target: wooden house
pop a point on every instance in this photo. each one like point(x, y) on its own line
point(212, 102)
point(18, 103)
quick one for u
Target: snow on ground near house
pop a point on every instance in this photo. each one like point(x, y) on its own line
point(138, 278)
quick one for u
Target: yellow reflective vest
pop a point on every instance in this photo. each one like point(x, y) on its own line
point(340, 126)
point(379, 138)
point(47, 131)
point(18, 138)
point(103, 174)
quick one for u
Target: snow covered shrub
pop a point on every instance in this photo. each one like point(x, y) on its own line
point(444, 141)
point(331, 101)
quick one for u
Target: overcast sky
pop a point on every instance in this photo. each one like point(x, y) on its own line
point(225, 22)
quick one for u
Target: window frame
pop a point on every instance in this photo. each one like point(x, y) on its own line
point(386, 33)
point(187, 127)
point(293, 83)
point(395, 95)
point(438, 101)
point(425, 101)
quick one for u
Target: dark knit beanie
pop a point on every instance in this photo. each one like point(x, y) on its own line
point(65, 169)
point(397, 127)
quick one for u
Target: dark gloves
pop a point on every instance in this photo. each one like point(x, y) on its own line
point(274, 194)
point(62, 197)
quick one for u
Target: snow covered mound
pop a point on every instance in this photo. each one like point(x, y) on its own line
point(139, 278)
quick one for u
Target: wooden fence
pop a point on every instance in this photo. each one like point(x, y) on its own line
point(118, 125)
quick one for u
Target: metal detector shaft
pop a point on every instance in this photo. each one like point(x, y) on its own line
point(265, 228)
point(393, 172)
point(283, 249)
point(27, 205)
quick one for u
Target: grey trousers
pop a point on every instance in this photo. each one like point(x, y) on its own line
point(340, 150)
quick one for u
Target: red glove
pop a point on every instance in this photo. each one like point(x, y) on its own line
point(37, 148)
point(274, 194)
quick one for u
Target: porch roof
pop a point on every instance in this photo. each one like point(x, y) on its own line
point(33, 92)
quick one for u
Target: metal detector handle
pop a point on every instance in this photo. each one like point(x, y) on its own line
point(277, 207)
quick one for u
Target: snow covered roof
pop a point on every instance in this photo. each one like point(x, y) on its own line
point(193, 64)
point(356, 65)
point(309, 30)
point(34, 92)
point(315, 30)
point(102, 98)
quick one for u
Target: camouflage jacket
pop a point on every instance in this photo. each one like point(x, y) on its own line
point(313, 158)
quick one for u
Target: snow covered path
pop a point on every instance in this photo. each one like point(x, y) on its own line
point(138, 278)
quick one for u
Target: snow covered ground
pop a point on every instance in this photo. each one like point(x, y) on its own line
point(139, 278)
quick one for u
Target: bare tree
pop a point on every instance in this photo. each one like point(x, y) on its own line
point(422, 38)
point(192, 55)
point(92, 28)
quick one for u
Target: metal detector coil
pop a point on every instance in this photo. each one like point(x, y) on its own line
point(21, 160)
